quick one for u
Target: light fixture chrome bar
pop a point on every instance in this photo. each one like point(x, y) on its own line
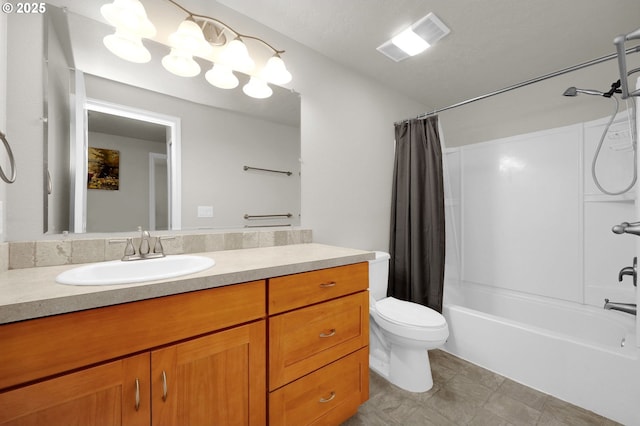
point(528, 82)
point(265, 216)
point(268, 170)
point(219, 22)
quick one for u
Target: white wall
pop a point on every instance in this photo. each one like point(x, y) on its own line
point(3, 117)
point(24, 209)
point(535, 107)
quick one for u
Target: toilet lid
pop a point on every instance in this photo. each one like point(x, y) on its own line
point(403, 312)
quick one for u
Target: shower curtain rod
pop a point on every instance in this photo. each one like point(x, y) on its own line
point(528, 82)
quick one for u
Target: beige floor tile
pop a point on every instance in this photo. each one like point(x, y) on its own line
point(570, 415)
point(529, 396)
point(485, 417)
point(512, 410)
point(464, 394)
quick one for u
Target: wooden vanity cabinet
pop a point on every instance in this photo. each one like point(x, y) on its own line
point(297, 344)
point(183, 357)
point(318, 345)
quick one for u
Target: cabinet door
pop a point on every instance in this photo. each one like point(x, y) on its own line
point(116, 393)
point(219, 379)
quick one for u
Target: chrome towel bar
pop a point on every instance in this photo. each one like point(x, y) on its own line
point(268, 170)
point(263, 216)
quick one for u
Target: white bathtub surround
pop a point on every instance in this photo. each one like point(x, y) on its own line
point(531, 257)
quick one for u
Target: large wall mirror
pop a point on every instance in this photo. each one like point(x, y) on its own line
point(200, 154)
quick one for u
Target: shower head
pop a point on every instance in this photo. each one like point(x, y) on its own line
point(572, 91)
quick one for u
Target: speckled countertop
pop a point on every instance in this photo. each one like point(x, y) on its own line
point(33, 292)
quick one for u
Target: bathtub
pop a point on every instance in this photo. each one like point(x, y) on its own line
point(581, 354)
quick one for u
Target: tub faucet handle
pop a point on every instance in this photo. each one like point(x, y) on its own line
point(630, 270)
point(627, 228)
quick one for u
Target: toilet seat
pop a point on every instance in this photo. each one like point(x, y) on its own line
point(402, 312)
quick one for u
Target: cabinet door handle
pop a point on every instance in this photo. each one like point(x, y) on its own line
point(327, 285)
point(333, 395)
point(331, 332)
point(165, 391)
point(137, 394)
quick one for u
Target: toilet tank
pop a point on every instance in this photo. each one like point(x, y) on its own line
point(379, 275)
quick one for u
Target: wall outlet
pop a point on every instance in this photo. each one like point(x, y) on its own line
point(205, 211)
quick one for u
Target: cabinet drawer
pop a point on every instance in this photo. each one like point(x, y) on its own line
point(327, 396)
point(294, 291)
point(304, 340)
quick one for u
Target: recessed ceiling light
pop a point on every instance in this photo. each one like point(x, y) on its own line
point(410, 42)
point(429, 30)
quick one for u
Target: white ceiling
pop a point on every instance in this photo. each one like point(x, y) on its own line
point(493, 43)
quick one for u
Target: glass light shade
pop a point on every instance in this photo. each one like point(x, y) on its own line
point(181, 63)
point(127, 46)
point(222, 77)
point(275, 71)
point(257, 88)
point(189, 37)
point(410, 42)
point(236, 56)
point(129, 15)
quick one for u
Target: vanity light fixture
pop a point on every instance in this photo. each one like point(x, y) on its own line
point(131, 23)
point(195, 37)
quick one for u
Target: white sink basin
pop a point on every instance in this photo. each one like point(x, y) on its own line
point(135, 271)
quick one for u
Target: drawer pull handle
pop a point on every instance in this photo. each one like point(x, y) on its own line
point(137, 394)
point(165, 391)
point(327, 285)
point(323, 400)
point(331, 332)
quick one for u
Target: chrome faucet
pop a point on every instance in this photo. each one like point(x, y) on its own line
point(629, 308)
point(144, 249)
point(627, 228)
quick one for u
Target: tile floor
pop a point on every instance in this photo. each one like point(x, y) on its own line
point(465, 394)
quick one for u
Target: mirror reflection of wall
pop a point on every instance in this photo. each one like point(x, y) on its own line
point(215, 146)
point(128, 206)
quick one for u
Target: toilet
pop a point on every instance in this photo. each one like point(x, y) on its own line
point(400, 333)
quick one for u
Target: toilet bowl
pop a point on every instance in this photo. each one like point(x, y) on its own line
point(401, 332)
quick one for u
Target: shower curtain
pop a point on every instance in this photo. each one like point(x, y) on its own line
point(417, 240)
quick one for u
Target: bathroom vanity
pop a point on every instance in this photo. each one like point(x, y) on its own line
point(273, 335)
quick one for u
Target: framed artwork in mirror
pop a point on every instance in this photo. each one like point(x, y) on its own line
point(103, 169)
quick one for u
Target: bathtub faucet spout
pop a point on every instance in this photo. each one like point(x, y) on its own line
point(629, 308)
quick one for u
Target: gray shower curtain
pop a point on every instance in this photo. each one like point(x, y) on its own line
point(417, 240)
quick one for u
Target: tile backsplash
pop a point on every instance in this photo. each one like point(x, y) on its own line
point(69, 250)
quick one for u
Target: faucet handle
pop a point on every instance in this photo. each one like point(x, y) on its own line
point(129, 249)
point(158, 247)
point(630, 270)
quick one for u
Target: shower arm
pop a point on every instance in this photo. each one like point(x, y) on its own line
point(622, 61)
